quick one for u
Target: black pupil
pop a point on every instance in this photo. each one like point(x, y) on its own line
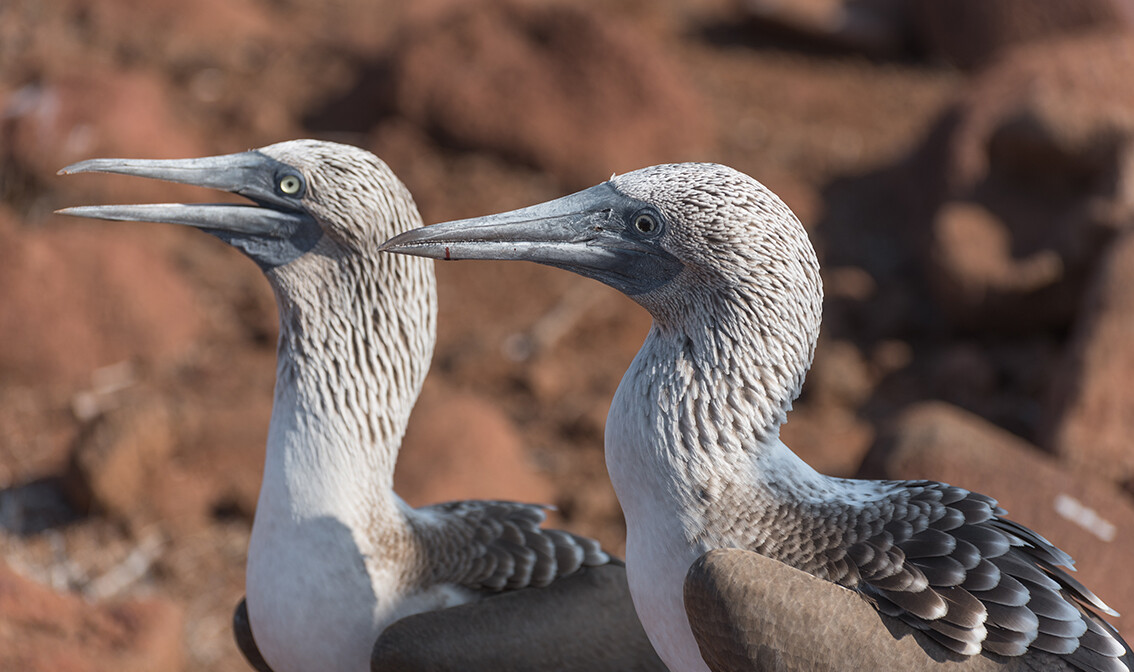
point(645, 223)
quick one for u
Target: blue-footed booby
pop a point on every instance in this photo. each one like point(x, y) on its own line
point(335, 555)
point(693, 450)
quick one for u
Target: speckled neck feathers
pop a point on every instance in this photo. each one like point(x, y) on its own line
point(356, 338)
point(357, 331)
point(733, 337)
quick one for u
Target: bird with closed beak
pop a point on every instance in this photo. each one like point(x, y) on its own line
point(720, 514)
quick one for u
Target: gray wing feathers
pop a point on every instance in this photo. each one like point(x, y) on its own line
point(491, 545)
point(242, 632)
point(946, 562)
point(748, 611)
point(581, 623)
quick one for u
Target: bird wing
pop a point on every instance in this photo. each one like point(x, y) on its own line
point(748, 611)
point(495, 545)
point(947, 562)
point(584, 622)
point(242, 632)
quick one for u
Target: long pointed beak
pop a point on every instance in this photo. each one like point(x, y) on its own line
point(214, 217)
point(277, 231)
point(586, 233)
point(250, 174)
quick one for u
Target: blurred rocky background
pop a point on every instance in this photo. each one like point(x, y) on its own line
point(960, 164)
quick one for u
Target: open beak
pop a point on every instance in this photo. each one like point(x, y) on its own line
point(587, 233)
point(276, 230)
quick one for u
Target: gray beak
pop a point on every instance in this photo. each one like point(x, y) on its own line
point(278, 231)
point(589, 232)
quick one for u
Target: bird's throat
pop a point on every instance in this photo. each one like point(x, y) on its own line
point(348, 372)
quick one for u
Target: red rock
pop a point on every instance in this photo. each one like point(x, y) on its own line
point(876, 27)
point(185, 31)
point(538, 81)
point(1041, 141)
point(45, 631)
point(823, 427)
point(117, 455)
point(889, 356)
point(848, 282)
point(963, 373)
point(459, 446)
point(966, 33)
point(970, 33)
point(1064, 106)
point(832, 439)
point(976, 277)
point(1083, 514)
point(228, 452)
point(1092, 408)
point(97, 113)
point(839, 375)
point(85, 296)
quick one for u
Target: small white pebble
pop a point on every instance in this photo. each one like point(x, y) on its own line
point(1085, 517)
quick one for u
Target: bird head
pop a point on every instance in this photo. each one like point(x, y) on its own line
point(309, 197)
point(680, 239)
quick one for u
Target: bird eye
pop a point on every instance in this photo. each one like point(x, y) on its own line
point(290, 184)
point(645, 222)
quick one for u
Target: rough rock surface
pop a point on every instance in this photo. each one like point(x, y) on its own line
point(453, 441)
point(85, 298)
point(875, 27)
point(45, 631)
point(1041, 141)
point(971, 33)
point(1059, 112)
point(574, 78)
point(92, 112)
point(825, 431)
point(977, 279)
point(1092, 408)
point(117, 456)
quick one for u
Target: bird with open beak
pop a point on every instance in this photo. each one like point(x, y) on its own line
point(336, 559)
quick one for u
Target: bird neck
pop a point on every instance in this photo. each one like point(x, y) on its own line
point(695, 422)
point(356, 339)
point(734, 360)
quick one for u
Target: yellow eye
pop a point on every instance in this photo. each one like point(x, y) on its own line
point(290, 184)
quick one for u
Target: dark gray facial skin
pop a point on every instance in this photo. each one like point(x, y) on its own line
point(272, 233)
point(599, 233)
